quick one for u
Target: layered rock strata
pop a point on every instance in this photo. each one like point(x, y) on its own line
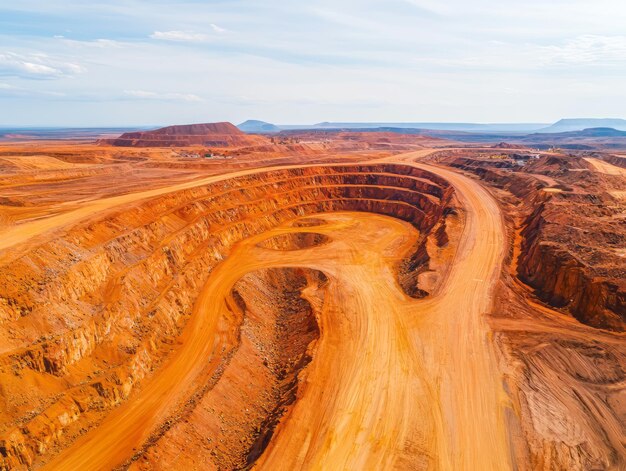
point(86, 316)
point(572, 233)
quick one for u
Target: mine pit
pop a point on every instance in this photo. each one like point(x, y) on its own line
point(294, 241)
point(277, 329)
point(135, 278)
point(355, 314)
point(308, 222)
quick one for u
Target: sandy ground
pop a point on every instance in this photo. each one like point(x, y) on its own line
point(605, 167)
point(609, 169)
point(399, 378)
point(21, 233)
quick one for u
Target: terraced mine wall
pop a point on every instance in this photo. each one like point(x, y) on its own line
point(260, 381)
point(89, 314)
point(567, 255)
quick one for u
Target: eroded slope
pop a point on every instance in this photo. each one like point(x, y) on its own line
point(561, 334)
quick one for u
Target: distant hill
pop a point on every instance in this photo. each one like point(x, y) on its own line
point(205, 134)
point(43, 133)
point(580, 124)
point(465, 127)
point(586, 139)
point(602, 132)
point(256, 126)
point(585, 133)
point(196, 129)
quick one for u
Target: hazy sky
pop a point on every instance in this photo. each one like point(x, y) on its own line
point(132, 62)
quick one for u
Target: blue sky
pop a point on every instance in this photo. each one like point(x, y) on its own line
point(163, 62)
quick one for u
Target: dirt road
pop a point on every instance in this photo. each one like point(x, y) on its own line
point(471, 390)
point(404, 380)
point(403, 383)
point(22, 233)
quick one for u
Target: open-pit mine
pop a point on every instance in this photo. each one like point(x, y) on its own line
point(198, 298)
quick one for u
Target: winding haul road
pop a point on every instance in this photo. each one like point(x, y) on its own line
point(394, 383)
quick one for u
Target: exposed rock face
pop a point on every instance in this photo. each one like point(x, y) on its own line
point(278, 325)
point(294, 241)
point(571, 236)
point(209, 134)
point(565, 378)
point(593, 294)
point(88, 315)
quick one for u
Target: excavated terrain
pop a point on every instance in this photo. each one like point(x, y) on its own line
point(560, 309)
point(573, 233)
point(323, 301)
point(89, 314)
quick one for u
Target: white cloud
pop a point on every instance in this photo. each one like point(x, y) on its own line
point(587, 49)
point(8, 90)
point(216, 28)
point(147, 95)
point(36, 66)
point(95, 44)
point(185, 36)
point(421, 59)
point(433, 6)
point(579, 53)
point(104, 43)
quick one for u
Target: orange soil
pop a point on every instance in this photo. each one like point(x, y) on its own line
point(606, 167)
point(426, 366)
point(394, 382)
point(434, 378)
